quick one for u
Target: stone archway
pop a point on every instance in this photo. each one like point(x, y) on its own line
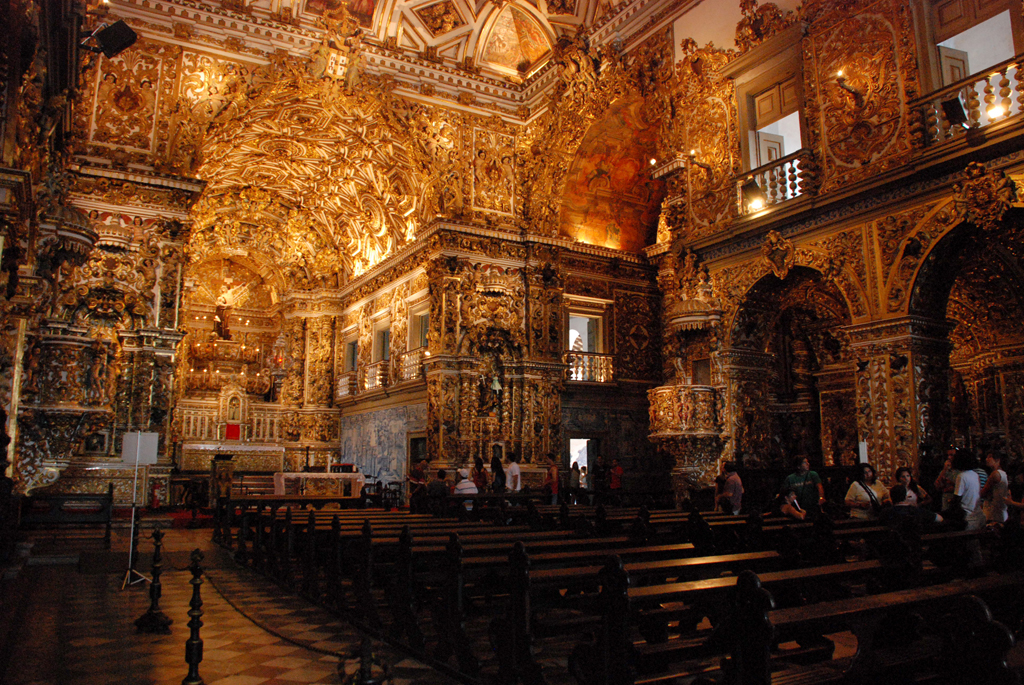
point(787, 372)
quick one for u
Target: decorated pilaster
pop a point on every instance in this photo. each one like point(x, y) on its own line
point(901, 381)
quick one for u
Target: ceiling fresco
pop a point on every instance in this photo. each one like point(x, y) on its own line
point(610, 198)
point(516, 41)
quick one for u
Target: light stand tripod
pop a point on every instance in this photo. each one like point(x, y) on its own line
point(131, 576)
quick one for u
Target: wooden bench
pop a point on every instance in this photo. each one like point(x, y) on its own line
point(55, 511)
point(616, 657)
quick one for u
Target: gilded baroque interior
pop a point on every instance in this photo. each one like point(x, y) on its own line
point(311, 232)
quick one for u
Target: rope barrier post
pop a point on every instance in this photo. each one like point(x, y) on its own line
point(155, 621)
point(194, 644)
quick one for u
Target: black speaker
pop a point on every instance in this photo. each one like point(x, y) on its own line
point(115, 39)
point(954, 111)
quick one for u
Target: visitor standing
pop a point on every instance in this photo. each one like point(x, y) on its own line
point(730, 493)
point(497, 475)
point(994, 494)
point(550, 484)
point(513, 474)
point(479, 475)
point(615, 474)
point(574, 483)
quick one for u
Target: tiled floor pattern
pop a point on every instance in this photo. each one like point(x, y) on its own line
point(76, 628)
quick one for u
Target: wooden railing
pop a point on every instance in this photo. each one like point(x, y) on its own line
point(780, 180)
point(376, 375)
point(985, 98)
point(346, 385)
point(590, 367)
point(412, 364)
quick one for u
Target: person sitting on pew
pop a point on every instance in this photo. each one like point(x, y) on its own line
point(866, 495)
point(916, 497)
point(904, 513)
point(437, 493)
point(790, 506)
point(464, 485)
point(730, 490)
point(807, 486)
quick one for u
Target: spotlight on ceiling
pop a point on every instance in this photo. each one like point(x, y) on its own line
point(954, 111)
point(753, 197)
point(111, 40)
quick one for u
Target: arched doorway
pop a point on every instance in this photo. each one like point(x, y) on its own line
point(974, 279)
point(788, 373)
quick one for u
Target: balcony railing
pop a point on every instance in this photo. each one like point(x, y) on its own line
point(590, 367)
point(781, 180)
point(346, 385)
point(412, 364)
point(982, 98)
point(376, 375)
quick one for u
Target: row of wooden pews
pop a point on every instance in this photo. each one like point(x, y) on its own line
point(652, 592)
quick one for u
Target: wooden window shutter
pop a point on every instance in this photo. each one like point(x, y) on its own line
point(778, 101)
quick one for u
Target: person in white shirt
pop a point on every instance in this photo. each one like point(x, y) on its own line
point(513, 475)
point(993, 495)
point(464, 485)
point(968, 489)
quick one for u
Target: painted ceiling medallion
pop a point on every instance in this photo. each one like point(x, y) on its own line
point(440, 18)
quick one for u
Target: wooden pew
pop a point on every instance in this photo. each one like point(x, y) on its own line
point(56, 511)
point(622, 604)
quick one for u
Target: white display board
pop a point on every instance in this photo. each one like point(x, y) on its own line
point(142, 444)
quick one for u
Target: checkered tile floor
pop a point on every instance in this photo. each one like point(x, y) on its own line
point(74, 626)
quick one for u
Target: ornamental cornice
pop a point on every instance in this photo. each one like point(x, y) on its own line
point(893, 330)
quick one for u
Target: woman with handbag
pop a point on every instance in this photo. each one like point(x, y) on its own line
point(866, 495)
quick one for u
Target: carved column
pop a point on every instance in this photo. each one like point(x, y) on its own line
point(293, 386)
point(901, 389)
point(747, 428)
point(837, 400)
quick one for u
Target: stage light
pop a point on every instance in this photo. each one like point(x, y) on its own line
point(753, 196)
point(111, 40)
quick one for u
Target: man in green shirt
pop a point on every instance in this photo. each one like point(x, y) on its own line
point(810, 493)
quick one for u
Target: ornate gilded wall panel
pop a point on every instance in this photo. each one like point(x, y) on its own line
point(637, 337)
point(320, 355)
point(128, 95)
point(871, 43)
point(493, 171)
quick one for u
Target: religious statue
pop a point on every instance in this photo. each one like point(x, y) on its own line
point(222, 318)
point(352, 53)
point(226, 301)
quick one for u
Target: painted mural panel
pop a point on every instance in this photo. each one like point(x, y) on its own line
point(515, 40)
point(377, 442)
point(610, 198)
